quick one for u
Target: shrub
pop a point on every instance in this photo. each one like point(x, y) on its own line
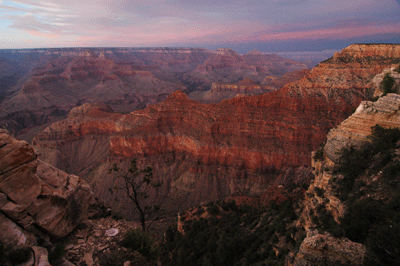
point(140, 241)
point(112, 258)
point(374, 99)
point(213, 210)
point(387, 84)
point(392, 171)
point(200, 211)
point(319, 155)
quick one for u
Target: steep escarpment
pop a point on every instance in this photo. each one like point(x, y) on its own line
point(353, 200)
point(37, 200)
point(212, 151)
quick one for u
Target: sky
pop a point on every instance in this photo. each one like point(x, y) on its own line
point(266, 25)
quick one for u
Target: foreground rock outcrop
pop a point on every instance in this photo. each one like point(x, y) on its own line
point(333, 195)
point(323, 249)
point(355, 130)
point(36, 199)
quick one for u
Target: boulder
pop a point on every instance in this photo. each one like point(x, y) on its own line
point(34, 194)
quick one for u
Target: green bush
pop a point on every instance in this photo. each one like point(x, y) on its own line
point(112, 258)
point(140, 241)
point(392, 171)
point(374, 155)
point(213, 210)
point(387, 84)
point(319, 155)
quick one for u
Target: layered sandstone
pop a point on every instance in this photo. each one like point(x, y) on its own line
point(322, 193)
point(35, 197)
point(246, 86)
point(211, 151)
point(220, 91)
point(393, 72)
point(44, 84)
point(355, 129)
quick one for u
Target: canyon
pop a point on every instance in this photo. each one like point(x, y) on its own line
point(211, 151)
point(40, 86)
point(239, 147)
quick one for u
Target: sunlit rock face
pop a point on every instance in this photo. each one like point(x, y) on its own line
point(354, 130)
point(211, 151)
point(35, 195)
point(40, 86)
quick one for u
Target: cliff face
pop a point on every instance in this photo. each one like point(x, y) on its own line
point(354, 130)
point(212, 151)
point(220, 91)
point(369, 186)
point(36, 199)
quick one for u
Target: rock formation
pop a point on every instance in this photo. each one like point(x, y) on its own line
point(393, 72)
point(226, 66)
point(36, 199)
point(322, 193)
point(355, 129)
point(40, 86)
point(219, 91)
point(323, 249)
point(212, 151)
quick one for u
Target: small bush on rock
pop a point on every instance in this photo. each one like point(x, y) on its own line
point(112, 258)
point(387, 84)
point(140, 241)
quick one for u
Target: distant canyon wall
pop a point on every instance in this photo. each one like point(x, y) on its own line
point(211, 151)
point(40, 86)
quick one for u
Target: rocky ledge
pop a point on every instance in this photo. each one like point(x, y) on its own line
point(355, 129)
point(36, 199)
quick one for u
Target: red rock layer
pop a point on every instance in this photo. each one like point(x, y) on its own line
point(209, 151)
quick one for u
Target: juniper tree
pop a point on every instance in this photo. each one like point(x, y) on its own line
point(138, 184)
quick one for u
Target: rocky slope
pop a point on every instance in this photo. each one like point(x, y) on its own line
point(331, 194)
point(212, 151)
